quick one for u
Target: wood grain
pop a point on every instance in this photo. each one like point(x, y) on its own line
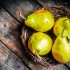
point(8, 32)
point(15, 7)
point(9, 61)
point(9, 35)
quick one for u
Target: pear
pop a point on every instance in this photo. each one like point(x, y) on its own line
point(40, 43)
point(42, 20)
point(61, 49)
point(60, 24)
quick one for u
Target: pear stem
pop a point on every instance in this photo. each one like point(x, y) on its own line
point(37, 54)
point(21, 15)
point(62, 32)
point(43, 61)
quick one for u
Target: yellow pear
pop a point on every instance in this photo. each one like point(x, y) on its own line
point(61, 49)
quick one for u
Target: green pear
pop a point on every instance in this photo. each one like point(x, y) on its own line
point(40, 43)
point(60, 24)
point(61, 49)
point(41, 20)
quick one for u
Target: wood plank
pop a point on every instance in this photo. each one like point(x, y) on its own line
point(11, 6)
point(8, 32)
point(10, 36)
point(17, 6)
point(9, 61)
point(65, 3)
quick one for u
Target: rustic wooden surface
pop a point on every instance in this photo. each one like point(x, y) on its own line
point(14, 7)
point(9, 23)
point(8, 31)
point(9, 61)
point(10, 37)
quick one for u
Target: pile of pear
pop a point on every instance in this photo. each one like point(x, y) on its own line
point(41, 44)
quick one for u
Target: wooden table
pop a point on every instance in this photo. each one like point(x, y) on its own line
point(12, 56)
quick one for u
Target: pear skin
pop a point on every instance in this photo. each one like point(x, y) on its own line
point(40, 43)
point(60, 24)
point(41, 20)
point(61, 50)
